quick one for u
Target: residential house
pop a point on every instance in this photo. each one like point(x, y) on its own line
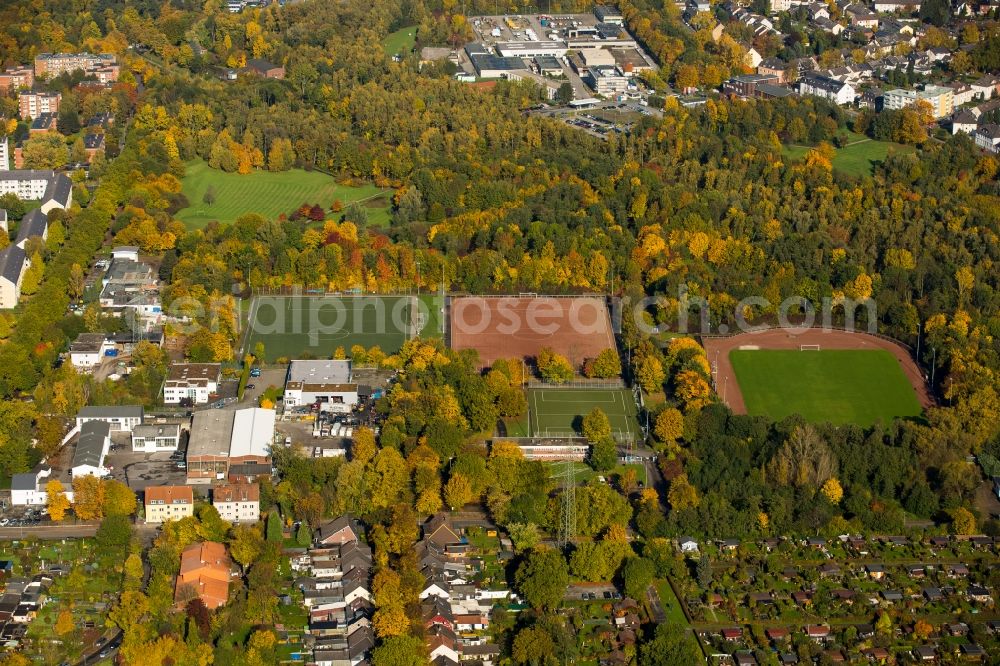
point(89, 350)
point(102, 66)
point(988, 137)
point(28, 488)
point(205, 574)
point(17, 77)
point(35, 224)
point(13, 264)
point(964, 120)
point(820, 86)
point(339, 531)
point(939, 98)
point(861, 16)
point(688, 545)
point(33, 104)
point(985, 87)
point(237, 502)
point(194, 382)
point(897, 6)
point(163, 503)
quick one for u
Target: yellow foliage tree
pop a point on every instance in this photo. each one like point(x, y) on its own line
point(64, 622)
point(832, 490)
point(56, 501)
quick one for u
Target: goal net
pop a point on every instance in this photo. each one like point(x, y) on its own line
point(809, 348)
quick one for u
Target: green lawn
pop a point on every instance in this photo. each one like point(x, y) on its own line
point(401, 41)
point(269, 194)
point(858, 158)
point(671, 606)
point(561, 411)
point(836, 386)
point(584, 473)
point(314, 326)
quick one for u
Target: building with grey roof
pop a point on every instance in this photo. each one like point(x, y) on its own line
point(118, 418)
point(91, 448)
point(27, 184)
point(13, 264)
point(35, 223)
point(58, 193)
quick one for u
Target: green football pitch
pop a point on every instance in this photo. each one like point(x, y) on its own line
point(835, 386)
point(314, 326)
point(268, 193)
point(557, 412)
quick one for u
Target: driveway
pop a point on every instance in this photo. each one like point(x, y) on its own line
point(268, 377)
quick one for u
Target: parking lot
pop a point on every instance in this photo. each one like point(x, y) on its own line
point(257, 385)
point(140, 470)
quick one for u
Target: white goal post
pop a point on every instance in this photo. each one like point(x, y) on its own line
point(809, 348)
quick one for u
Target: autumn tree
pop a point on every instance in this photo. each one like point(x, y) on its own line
point(542, 578)
point(804, 460)
point(64, 622)
point(88, 497)
point(682, 495)
point(458, 491)
point(56, 501)
point(596, 425)
point(605, 365)
point(554, 368)
point(669, 426)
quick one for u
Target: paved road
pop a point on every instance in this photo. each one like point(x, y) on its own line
point(48, 532)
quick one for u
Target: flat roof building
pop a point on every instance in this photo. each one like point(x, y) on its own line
point(223, 438)
point(154, 438)
point(327, 383)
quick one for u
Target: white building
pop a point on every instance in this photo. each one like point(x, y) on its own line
point(89, 349)
point(194, 381)
point(988, 137)
point(237, 502)
point(126, 253)
point(607, 81)
point(940, 99)
point(27, 184)
point(156, 438)
point(838, 92)
point(985, 87)
point(91, 449)
point(118, 419)
point(28, 489)
point(4, 154)
point(13, 263)
point(325, 382)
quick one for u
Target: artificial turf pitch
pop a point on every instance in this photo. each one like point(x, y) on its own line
point(836, 386)
point(314, 326)
point(558, 412)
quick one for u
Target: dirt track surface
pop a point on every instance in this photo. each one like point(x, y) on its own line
point(512, 327)
point(728, 387)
